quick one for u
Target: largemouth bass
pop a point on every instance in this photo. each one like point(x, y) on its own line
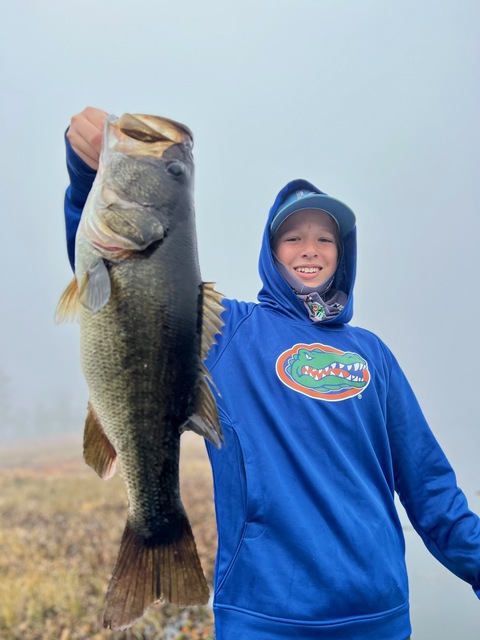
point(147, 322)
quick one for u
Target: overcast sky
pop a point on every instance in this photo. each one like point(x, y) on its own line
point(375, 101)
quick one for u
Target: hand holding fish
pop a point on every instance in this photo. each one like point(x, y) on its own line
point(85, 134)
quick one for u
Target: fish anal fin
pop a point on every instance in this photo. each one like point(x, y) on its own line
point(98, 451)
point(68, 305)
point(212, 322)
point(153, 569)
point(95, 289)
point(204, 420)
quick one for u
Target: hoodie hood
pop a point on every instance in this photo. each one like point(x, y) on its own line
point(277, 294)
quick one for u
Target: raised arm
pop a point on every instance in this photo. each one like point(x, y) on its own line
point(83, 142)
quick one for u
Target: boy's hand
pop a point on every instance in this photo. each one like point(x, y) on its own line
point(85, 134)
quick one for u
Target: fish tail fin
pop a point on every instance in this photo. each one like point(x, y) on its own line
point(149, 570)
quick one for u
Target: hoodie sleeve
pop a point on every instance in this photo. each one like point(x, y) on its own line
point(81, 180)
point(427, 486)
point(234, 314)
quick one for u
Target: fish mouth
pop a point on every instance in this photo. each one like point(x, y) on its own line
point(140, 134)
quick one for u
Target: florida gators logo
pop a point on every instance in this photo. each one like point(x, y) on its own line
point(322, 372)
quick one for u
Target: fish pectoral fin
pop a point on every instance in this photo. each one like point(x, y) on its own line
point(164, 566)
point(205, 420)
point(212, 322)
point(95, 289)
point(98, 451)
point(68, 306)
point(136, 226)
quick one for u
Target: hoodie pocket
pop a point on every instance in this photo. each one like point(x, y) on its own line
point(240, 514)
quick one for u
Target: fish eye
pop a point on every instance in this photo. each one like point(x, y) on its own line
point(175, 167)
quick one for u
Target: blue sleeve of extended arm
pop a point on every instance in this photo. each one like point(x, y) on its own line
point(427, 486)
point(81, 180)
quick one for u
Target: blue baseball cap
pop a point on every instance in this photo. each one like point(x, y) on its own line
point(302, 199)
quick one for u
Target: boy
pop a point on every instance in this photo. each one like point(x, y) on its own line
point(321, 428)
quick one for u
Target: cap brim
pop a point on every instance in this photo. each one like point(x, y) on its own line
point(341, 212)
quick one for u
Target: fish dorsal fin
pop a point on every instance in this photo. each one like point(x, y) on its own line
point(98, 452)
point(212, 322)
point(204, 419)
point(68, 306)
point(95, 289)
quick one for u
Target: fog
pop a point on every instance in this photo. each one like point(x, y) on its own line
point(375, 102)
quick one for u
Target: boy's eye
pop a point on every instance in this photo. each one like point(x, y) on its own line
point(322, 239)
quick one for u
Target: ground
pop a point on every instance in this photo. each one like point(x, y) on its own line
point(60, 529)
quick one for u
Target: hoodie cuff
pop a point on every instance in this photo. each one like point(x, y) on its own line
point(81, 175)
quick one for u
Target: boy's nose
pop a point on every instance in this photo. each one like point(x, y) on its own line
point(309, 250)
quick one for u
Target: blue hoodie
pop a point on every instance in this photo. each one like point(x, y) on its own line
point(321, 428)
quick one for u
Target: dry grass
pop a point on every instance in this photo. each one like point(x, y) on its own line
point(60, 529)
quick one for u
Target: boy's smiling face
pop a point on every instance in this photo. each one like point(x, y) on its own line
point(306, 244)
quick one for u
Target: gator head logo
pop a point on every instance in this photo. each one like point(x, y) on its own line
point(322, 372)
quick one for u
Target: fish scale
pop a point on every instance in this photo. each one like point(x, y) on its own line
point(146, 323)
